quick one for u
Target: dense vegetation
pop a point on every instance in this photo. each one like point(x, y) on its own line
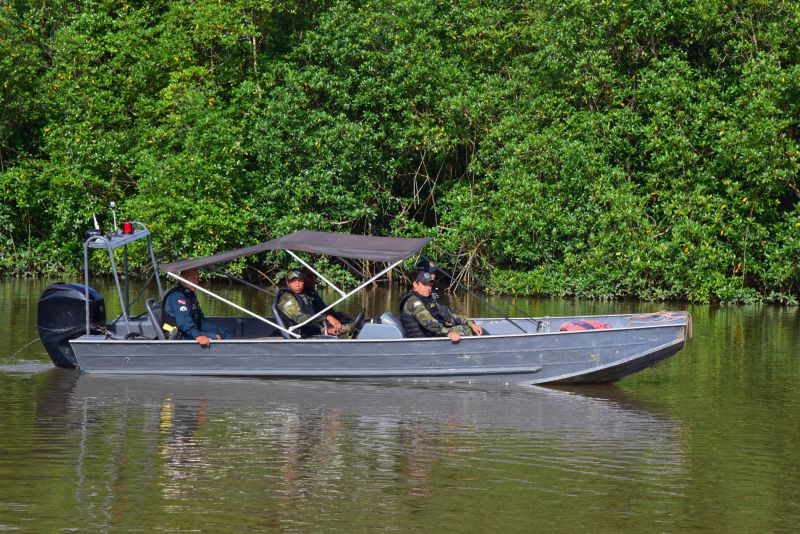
point(589, 148)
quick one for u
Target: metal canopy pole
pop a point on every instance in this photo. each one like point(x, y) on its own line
point(229, 303)
point(331, 284)
point(86, 281)
point(127, 285)
point(116, 282)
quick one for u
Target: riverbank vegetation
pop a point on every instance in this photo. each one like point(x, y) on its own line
point(578, 148)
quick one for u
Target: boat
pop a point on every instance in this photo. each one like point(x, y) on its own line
point(529, 350)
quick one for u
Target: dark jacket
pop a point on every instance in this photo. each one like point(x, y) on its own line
point(181, 308)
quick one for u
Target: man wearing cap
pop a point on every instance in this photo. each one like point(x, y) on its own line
point(428, 266)
point(436, 308)
point(182, 310)
point(422, 317)
point(297, 307)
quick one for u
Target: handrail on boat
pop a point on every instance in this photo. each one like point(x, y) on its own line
point(111, 242)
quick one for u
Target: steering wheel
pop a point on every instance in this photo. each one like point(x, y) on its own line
point(358, 323)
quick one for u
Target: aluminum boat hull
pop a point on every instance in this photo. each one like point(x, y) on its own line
point(590, 356)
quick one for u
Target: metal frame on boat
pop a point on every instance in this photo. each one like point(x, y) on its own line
point(524, 349)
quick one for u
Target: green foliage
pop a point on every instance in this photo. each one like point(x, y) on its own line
point(585, 149)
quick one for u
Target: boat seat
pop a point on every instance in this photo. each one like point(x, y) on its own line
point(154, 314)
point(389, 318)
point(280, 322)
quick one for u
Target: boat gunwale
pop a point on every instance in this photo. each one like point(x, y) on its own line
point(276, 339)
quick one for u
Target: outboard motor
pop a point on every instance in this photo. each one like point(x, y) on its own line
point(62, 316)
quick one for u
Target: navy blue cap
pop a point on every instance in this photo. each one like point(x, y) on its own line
point(424, 277)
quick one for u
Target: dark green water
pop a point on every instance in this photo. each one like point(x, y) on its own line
point(705, 442)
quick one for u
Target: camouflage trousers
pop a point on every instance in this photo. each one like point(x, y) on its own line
point(345, 329)
point(463, 330)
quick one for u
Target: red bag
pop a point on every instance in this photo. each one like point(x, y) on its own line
point(584, 324)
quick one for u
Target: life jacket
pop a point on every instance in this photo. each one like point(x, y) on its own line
point(316, 299)
point(584, 324)
point(412, 326)
point(191, 303)
point(306, 304)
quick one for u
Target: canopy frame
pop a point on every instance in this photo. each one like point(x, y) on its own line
point(372, 248)
point(392, 250)
point(310, 268)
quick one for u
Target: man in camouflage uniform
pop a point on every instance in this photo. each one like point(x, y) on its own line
point(434, 304)
point(297, 307)
point(422, 317)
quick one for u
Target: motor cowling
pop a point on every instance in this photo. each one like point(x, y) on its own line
point(62, 316)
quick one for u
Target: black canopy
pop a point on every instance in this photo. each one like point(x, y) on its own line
point(361, 247)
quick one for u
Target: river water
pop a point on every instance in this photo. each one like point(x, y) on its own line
point(707, 441)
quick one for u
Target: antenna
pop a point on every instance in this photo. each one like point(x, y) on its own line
point(114, 213)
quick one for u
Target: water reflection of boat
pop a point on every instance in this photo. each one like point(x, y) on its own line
point(603, 413)
point(273, 443)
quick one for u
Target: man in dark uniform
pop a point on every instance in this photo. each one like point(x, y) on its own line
point(298, 307)
point(181, 310)
point(422, 317)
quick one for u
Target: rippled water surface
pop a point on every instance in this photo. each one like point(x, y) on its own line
point(705, 442)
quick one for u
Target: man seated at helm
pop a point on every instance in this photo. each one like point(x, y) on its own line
point(422, 317)
point(182, 310)
point(297, 307)
point(310, 289)
point(435, 306)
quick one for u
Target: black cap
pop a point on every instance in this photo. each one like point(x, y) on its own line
point(424, 277)
point(293, 273)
